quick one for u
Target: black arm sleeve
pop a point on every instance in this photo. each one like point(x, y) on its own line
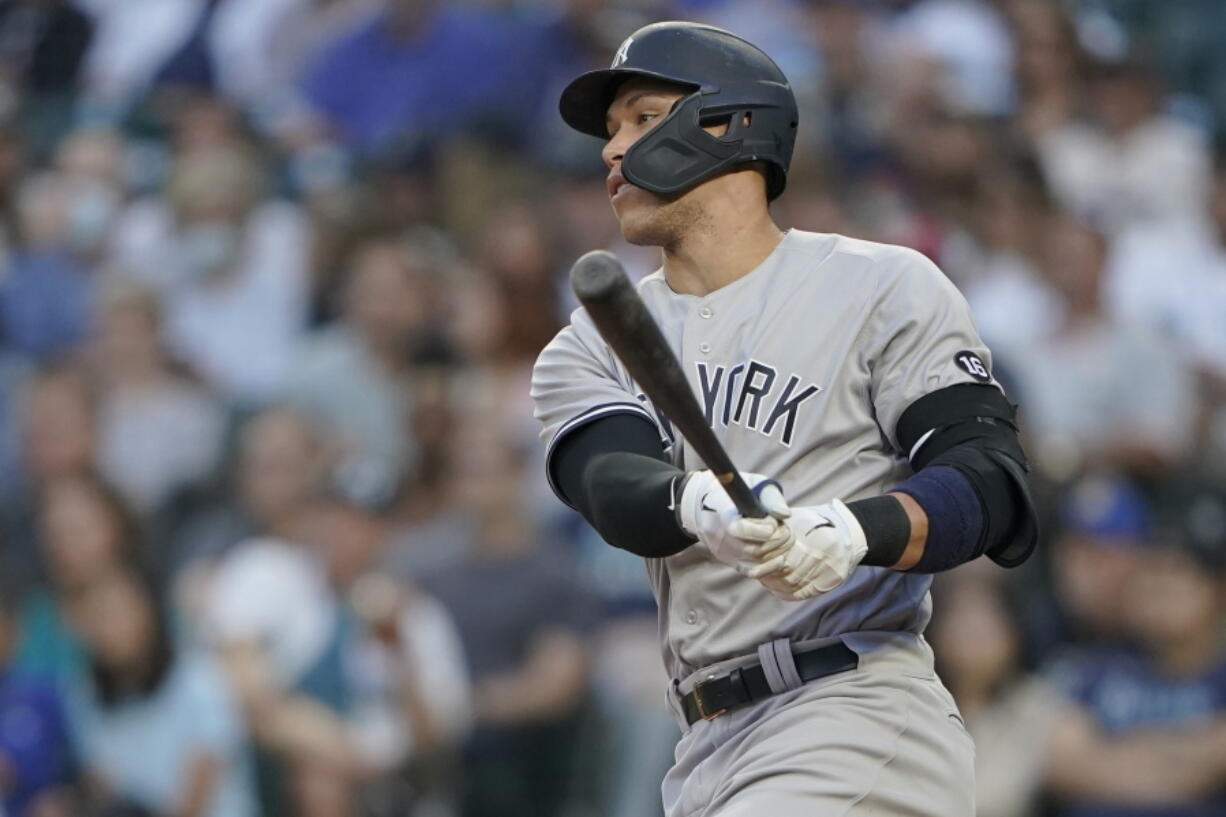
point(613, 471)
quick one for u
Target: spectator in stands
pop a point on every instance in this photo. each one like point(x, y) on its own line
point(996, 261)
point(1097, 549)
point(1144, 730)
point(523, 617)
point(1133, 165)
point(1099, 392)
point(55, 430)
point(89, 165)
point(85, 530)
point(35, 756)
point(47, 295)
point(976, 635)
point(518, 253)
point(405, 664)
point(281, 460)
point(354, 375)
point(158, 431)
point(1050, 66)
point(1175, 284)
point(154, 722)
point(269, 610)
point(230, 266)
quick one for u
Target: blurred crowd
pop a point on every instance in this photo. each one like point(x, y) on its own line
point(275, 537)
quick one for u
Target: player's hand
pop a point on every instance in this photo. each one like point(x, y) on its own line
point(706, 512)
point(825, 543)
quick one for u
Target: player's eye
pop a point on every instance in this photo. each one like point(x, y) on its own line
point(646, 116)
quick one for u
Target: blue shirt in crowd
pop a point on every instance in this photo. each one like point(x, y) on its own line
point(143, 747)
point(1125, 692)
point(46, 299)
point(467, 67)
point(33, 739)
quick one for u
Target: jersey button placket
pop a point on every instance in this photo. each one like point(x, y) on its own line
point(706, 313)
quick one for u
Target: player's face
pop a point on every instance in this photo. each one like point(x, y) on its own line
point(646, 219)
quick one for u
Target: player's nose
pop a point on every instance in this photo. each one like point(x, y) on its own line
point(615, 149)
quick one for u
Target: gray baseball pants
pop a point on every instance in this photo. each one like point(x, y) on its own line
point(885, 739)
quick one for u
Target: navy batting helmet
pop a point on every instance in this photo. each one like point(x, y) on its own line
point(731, 81)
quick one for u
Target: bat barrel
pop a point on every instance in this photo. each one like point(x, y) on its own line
point(598, 277)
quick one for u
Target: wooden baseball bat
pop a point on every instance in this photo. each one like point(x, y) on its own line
point(601, 285)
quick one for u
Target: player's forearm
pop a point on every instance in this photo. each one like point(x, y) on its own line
point(931, 522)
point(938, 519)
point(917, 538)
point(613, 472)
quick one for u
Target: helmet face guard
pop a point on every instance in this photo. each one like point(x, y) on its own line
point(727, 80)
point(679, 154)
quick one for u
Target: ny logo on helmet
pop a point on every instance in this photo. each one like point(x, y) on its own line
point(623, 53)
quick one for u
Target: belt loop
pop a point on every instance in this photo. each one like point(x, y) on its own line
point(787, 662)
point(779, 666)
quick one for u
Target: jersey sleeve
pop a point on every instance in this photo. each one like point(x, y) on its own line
point(920, 338)
point(576, 380)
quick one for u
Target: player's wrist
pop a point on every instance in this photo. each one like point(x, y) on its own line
point(691, 487)
point(886, 528)
point(686, 494)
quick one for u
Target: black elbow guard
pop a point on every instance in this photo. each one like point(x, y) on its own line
point(971, 427)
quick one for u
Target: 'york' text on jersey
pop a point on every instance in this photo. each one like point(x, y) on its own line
point(754, 396)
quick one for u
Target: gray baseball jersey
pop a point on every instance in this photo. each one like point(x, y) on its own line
point(804, 367)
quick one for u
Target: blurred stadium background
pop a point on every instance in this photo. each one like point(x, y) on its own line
point(275, 534)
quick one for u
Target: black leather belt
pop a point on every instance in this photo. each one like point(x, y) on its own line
point(715, 696)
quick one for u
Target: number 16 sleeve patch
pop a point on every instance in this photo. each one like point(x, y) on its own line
point(973, 365)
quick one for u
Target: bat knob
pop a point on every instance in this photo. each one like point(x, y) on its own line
point(597, 275)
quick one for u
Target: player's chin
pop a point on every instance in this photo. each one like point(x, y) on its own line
point(639, 223)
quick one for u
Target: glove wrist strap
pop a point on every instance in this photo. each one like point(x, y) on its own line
point(685, 506)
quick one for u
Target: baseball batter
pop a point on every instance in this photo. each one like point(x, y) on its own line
point(846, 380)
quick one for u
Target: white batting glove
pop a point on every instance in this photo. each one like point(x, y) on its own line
point(824, 544)
point(706, 512)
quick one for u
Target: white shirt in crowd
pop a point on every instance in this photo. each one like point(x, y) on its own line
point(1093, 387)
point(273, 593)
point(155, 440)
point(1174, 282)
point(241, 331)
point(1011, 303)
point(1157, 173)
point(134, 39)
point(972, 42)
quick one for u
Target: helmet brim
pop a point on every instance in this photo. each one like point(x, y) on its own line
point(584, 103)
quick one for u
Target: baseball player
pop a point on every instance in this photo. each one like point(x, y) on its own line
point(847, 380)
